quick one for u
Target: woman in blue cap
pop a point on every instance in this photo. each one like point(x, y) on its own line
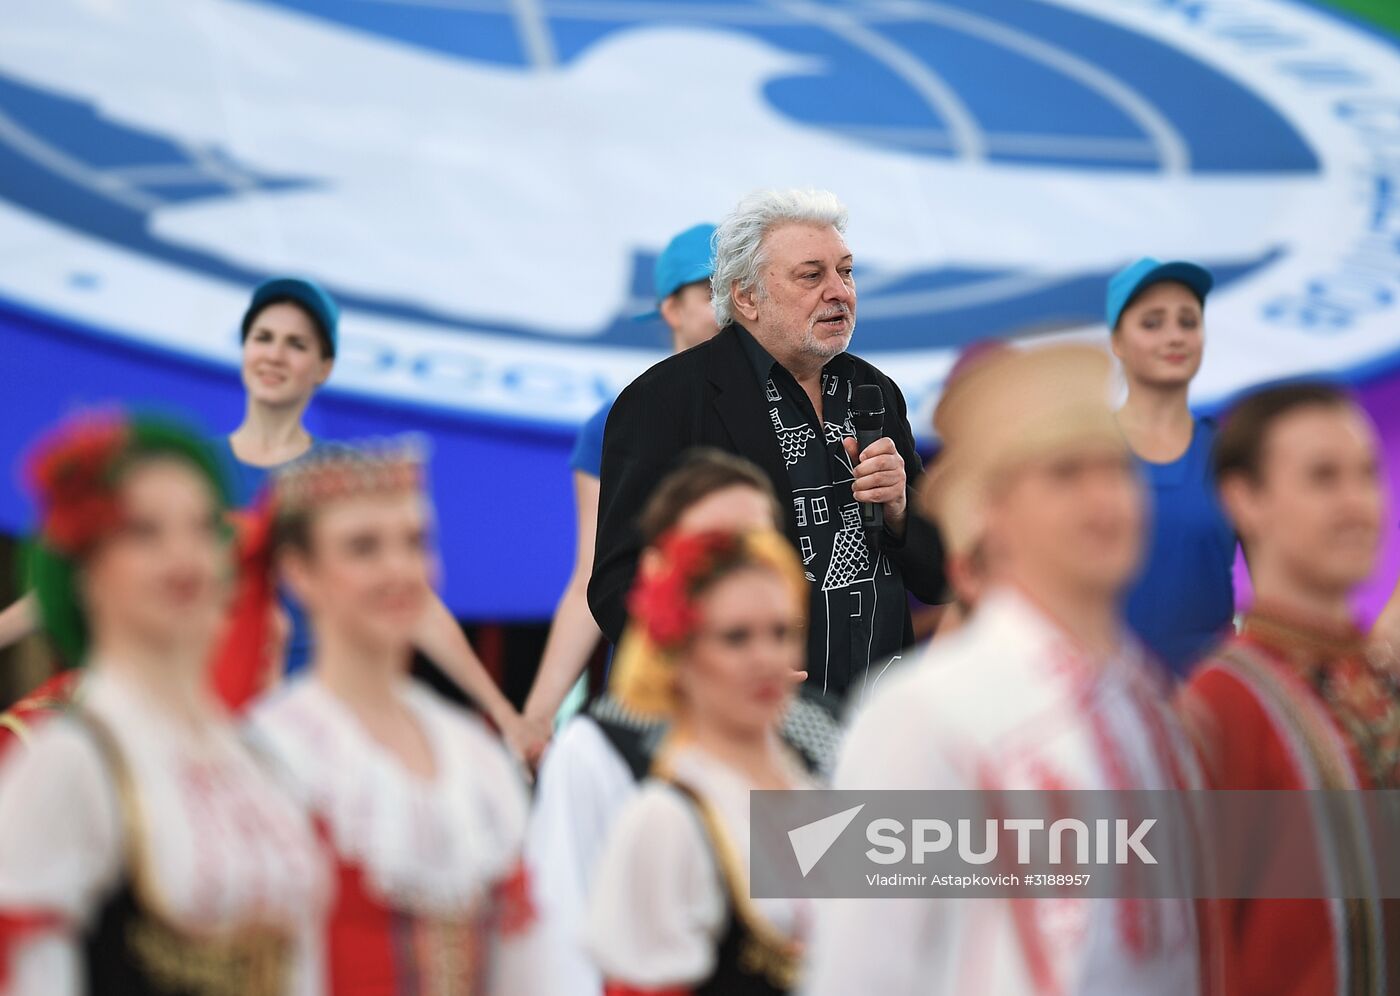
point(290, 335)
point(1183, 601)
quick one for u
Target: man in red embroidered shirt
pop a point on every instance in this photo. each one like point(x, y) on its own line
point(1292, 702)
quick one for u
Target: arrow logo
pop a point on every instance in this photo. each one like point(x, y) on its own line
point(812, 840)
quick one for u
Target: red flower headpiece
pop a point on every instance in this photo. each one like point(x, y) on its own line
point(72, 473)
point(662, 599)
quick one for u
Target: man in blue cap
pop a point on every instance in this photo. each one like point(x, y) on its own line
point(682, 287)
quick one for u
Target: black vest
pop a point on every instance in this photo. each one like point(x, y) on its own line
point(810, 727)
point(751, 958)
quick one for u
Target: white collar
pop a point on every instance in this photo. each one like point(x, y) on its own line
point(432, 846)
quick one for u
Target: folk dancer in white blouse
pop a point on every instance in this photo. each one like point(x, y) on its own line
point(421, 804)
point(596, 764)
point(1042, 689)
point(715, 634)
point(142, 848)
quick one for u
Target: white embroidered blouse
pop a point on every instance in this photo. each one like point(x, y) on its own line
point(433, 847)
point(659, 901)
point(221, 845)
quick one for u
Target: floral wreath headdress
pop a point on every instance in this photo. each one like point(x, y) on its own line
point(74, 472)
point(664, 612)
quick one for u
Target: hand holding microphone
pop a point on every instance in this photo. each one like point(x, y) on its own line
point(881, 485)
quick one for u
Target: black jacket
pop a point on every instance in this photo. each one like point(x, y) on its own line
point(709, 396)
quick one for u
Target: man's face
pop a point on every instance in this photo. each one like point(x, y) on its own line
point(803, 310)
point(1071, 520)
point(1315, 513)
point(690, 315)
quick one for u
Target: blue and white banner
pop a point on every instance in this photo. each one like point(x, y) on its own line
point(484, 185)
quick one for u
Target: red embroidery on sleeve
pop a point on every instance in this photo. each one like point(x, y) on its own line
point(622, 989)
point(15, 926)
point(515, 906)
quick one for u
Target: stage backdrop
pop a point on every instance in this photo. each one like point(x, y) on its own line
point(484, 185)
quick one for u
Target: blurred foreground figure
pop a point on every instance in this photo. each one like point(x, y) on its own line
point(1041, 689)
point(421, 805)
point(142, 849)
point(950, 505)
point(717, 631)
point(593, 768)
point(1293, 702)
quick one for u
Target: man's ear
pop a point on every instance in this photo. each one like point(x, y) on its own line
point(964, 579)
point(996, 511)
point(745, 300)
point(1239, 497)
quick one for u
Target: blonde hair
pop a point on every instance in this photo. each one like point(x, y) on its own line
point(644, 674)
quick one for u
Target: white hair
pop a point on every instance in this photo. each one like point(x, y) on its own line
point(737, 245)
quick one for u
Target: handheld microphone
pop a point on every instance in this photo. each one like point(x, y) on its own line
point(868, 417)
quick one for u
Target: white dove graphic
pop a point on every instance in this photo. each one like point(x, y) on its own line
point(522, 195)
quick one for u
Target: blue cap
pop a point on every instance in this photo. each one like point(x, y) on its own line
point(687, 259)
point(310, 295)
point(1129, 281)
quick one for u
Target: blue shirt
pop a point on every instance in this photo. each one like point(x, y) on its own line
point(588, 447)
point(247, 482)
point(1184, 600)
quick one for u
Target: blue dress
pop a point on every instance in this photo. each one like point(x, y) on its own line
point(247, 482)
point(1184, 600)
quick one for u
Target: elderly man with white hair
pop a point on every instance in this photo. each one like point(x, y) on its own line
point(775, 386)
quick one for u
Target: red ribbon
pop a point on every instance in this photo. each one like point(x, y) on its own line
point(246, 657)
